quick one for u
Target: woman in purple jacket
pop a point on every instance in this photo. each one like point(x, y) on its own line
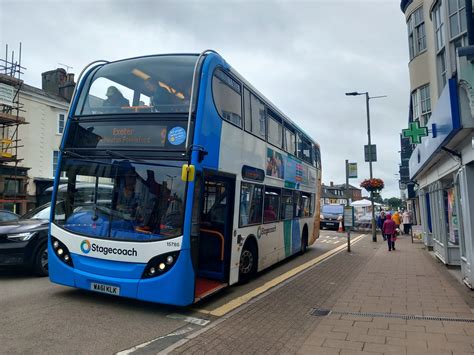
point(389, 229)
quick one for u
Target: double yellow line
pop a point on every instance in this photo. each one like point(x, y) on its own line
point(237, 302)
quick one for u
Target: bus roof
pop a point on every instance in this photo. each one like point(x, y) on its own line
point(237, 75)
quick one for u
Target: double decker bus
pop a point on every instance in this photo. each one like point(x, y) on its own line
point(195, 181)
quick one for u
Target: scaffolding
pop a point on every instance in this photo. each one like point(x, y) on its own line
point(13, 179)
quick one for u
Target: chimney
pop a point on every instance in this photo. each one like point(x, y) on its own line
point(331, 184)
point(58, 82)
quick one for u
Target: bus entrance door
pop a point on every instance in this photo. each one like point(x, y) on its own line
point(215, 235)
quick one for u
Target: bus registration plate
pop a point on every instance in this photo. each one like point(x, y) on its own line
point(112, 290)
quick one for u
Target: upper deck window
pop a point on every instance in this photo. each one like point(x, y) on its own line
point(275, 134)
point(149, 84)
point(227, 97)
point(254, 115)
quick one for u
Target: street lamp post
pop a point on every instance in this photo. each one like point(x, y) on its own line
point(367, 98)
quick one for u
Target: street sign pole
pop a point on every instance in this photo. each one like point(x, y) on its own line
point(347, 204)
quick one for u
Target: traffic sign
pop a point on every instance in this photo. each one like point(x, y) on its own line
point(352, 170)
point(370, 155)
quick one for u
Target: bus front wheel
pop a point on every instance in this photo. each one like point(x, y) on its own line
point(248, 262)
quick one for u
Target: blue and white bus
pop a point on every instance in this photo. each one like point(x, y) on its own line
point(196, 181)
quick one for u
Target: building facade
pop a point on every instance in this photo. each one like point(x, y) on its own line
point(27, 171)
point(338, 194)
point(441, 163)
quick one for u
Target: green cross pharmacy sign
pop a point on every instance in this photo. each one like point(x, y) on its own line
point(415, 132)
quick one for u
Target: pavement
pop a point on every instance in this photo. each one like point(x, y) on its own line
point(369, 301)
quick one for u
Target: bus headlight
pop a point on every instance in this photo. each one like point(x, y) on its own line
point(160, 264)
point(61, 251)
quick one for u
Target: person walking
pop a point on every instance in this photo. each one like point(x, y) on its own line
point(389, 230)
point(407, 222)
point(380, 220)
point(396, 218)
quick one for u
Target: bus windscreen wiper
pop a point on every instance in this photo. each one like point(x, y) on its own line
point(122, 156)
point(72, 154)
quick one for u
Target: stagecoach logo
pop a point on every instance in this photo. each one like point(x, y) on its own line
point(85, 246)
point(262, 231)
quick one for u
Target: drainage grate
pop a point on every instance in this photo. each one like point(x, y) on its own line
point(324, 312)
point(320, 312)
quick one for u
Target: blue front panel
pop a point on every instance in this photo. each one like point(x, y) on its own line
point(174, 287)
point(108, 267)
point(208, 122)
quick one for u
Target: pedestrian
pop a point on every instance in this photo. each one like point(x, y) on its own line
point(407, 222)
point(389, 229)
point(380, 220)
point(396, 218)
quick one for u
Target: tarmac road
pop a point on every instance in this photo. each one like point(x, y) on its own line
point(40, 317)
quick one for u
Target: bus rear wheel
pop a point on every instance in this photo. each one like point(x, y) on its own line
point(248, 262)
point(304, 241)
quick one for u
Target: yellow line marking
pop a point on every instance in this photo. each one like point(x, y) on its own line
point(237, 302)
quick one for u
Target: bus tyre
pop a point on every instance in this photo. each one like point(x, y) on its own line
point(304, 241)
point(248, 262)
point(40, 260)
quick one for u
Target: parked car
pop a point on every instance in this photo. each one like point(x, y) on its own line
point(330, 216)
point(23, 242)
point(6, 215)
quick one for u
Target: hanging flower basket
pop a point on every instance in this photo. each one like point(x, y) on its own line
point(372, 185)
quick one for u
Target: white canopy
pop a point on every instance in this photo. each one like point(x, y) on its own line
point(364, 203)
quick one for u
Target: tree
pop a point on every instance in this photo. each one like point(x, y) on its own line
point(394, 203)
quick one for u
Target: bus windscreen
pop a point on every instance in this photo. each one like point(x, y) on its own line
point(119, 199)
point(139, 85)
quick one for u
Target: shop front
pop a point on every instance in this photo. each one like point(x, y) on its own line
point(434, 165)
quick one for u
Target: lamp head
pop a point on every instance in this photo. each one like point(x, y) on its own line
point(353, 93)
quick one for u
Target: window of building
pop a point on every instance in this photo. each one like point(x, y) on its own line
point(227, 97)
point(416, 33)
point(12, 187)
point(271, 204)
point(251, 197)
point(457, 17)
point(61, 122)
point(425, 101)
point(421, 104)
point(254, 115)
point(55, 161)
point(438, 23)
point(275, 134)
point(290, 140)
point(441, 67)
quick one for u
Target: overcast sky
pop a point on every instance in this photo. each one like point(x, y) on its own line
point(302, 55)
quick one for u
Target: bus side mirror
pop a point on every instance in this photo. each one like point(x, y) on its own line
point(187, 172)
